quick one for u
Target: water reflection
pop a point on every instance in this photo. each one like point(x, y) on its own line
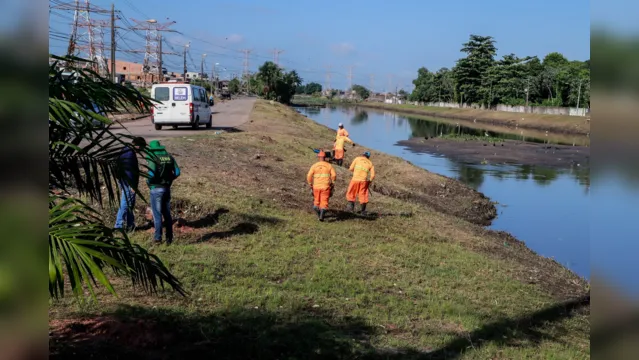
point(360, 117)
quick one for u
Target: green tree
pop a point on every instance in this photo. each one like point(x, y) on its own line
point(469, 71)
point(234, 86)
point(278, 85)
point(444, 85)
point(83, 164)
point(425, 86)
point(361, 91)
point(269, 73)
point(312, 88)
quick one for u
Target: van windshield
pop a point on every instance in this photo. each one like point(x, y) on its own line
point(161, 94)
point(180, 94)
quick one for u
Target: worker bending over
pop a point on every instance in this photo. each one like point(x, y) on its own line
point(363, 174)
point(338, 148)
point(321, 177)
point(341, 131)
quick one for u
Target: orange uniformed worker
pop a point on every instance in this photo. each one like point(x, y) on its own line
point(341, 131)
point(338, 148)
point(321, 177)
point(363, 173)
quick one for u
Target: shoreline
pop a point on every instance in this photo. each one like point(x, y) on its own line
point(507, 152)
point(556, 124)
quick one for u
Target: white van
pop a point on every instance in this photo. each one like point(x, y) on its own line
point(181, 104)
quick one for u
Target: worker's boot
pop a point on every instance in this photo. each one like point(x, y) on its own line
point(321, 214)
point(363, 211)
point(340, 161)
point(317, 210)
point(351, 206)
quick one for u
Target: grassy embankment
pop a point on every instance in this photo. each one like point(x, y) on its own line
point(558, 124)
point(267, 280)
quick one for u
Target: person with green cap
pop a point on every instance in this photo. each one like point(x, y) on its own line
point(163, 170)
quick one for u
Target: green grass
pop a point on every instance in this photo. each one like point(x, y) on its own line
point(267, 280)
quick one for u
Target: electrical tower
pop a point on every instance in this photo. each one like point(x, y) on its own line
point(276, 56)
point(152, 49)
point(245, 73)
point(350, 81)
point(328, 79)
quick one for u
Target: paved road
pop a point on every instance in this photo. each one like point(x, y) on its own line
point(226, 115)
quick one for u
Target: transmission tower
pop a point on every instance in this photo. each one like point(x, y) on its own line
point(328, 78)
point(350, 80)
point(152, 49)
point(81, 40)
point(245, 73)
point(87, 35)
point(276, 56)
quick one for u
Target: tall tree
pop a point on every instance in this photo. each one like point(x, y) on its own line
point(468, 72)
point(313, 88)
point(361, 91)
point(425, 87)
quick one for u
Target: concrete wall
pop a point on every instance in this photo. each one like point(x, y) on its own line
point(546, 110)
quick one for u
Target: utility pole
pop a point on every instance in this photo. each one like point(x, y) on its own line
point(328, 78)
point(113, 72)
point(245, 74)
point(152, 44)
point(202, 66)
point(160, 66)
point(395, 94)
point(350, 81)
point(276, 56)
point(185, 48)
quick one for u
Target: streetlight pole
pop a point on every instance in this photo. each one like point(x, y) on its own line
point(202, 66)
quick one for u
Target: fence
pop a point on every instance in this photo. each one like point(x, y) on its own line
point(547, 110)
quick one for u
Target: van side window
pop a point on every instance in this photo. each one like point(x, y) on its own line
point(161, 94)
point(202, 95)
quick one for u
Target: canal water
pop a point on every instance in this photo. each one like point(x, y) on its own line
point(548, 209)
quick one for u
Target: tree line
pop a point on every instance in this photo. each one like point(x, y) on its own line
point(480, 78)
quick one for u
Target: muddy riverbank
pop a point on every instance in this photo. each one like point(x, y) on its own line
point(502, 152)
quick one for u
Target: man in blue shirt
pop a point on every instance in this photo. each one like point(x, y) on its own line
point(128, 163)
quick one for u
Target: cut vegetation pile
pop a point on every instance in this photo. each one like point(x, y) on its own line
point(421, 278)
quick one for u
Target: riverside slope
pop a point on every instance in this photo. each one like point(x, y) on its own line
point(421, 279)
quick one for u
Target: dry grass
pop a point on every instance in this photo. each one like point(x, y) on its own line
point(267, 280)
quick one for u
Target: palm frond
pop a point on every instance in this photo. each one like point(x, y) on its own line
point(81, 247)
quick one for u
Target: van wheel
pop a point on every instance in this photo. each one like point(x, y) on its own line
point(158, 127)
point(196, 124)
point(174, 126)
point(210, 123)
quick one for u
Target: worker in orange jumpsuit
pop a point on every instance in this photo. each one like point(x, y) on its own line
point(338, 148)
point(363, 174)
point(321, 178)
point(341, 131)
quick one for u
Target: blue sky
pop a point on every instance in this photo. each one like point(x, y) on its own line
point(387, 39)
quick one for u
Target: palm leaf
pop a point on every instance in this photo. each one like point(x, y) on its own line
point(81, 247)
point(85, 158)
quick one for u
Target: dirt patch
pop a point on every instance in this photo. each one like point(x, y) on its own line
point(531, 267)
point(504, 152)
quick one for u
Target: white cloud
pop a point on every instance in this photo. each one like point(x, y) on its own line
point(343, 48)
point(234, 38)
